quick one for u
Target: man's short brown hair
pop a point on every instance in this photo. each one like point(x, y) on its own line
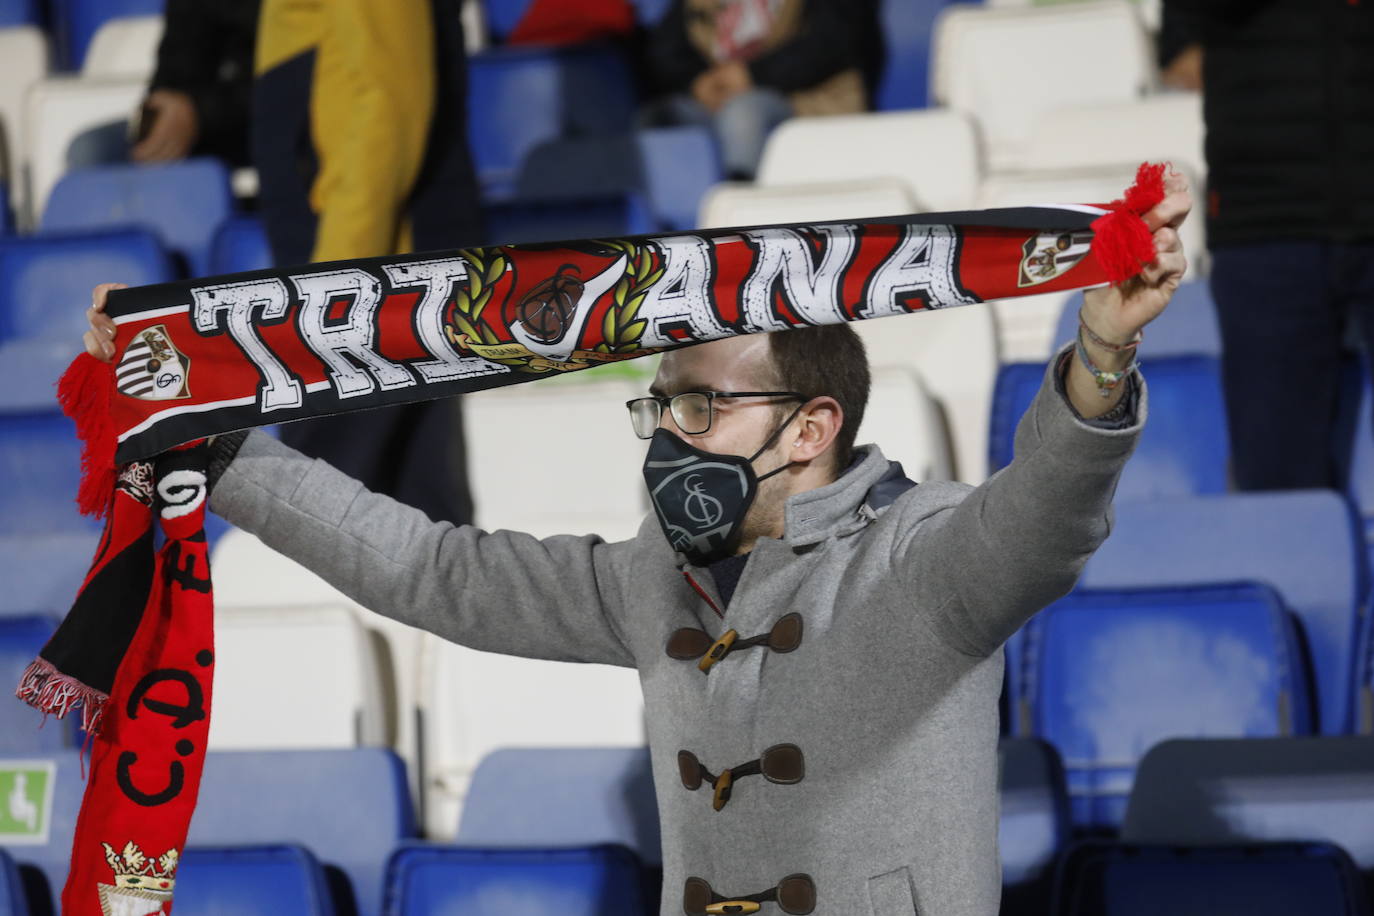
point(830, 360)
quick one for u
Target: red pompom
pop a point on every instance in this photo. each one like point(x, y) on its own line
point(1122, 241)
point(85, 392)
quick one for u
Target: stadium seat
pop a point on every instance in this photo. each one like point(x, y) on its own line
point(40, 453)
point(1302, 543)
point(1033, 821)
point(591, 881)
point(239, 244)
point(1183, 448)
point(1105, 675)
point(124, 47)
point(42, 795)
point(45, 286)
point(907, 424)
point(502, 16)
point(56, 111)
point(22, 728)
point(24, 49)
point(350, 808)
point(12, 899)
point(1314, 879)
point(680, 164)
point(520, 96)
point(183, 202)
point(1188, 327)
point(19, 12)
point(1362, 700)
point(933, 153)
point(731, 204)
point(1201, 792)
point(42, 572)
point(1008, 67)
point(251, 881)
point(76, 23)
point(6, 212)
point(515, 220)
point(906, 29)
point(1160, 128)
point(563, 796)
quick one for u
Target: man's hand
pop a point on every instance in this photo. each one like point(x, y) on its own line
point(1117, 313)
point(720, 84)
point(99, 340)
point(174, 130)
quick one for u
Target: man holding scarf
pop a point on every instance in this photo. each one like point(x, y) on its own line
point(817, 637)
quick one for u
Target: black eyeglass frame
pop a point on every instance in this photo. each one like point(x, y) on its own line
point(665, 402)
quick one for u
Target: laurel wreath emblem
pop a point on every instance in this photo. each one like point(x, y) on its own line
point(622, 326)
point(467, 322)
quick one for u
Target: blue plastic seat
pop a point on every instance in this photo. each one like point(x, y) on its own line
point(41, 457)
point(680, 164)
point(12, 899)
point(1108, 674)
point(1183, 449)
point(18, 12)
point(53, 784)
point(519, 97)
point(907, 27)
point(1200, 792)
point(45, 287)
point(1188, 327)
point(1281, 879)
point(182, 202)
point(76, 22)
point(251, 881)
point(1301, 543)
point(1034, 821)
point(1362, 697)
point(42, 572)
point(351, 808)
point(606, 216)
point(22, 728)
point(240, 244)
point(502, 16)
point(563, 797)
point(589, 881)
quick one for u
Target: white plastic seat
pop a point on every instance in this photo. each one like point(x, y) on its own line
point(735, 204)
point(1010, 67)
point(124, 47)
point(934, 152)
point(24, 52)
point(56, 110)
point(1159, 128)
point(1026, 324)
point(907, 424)
point(556, 457)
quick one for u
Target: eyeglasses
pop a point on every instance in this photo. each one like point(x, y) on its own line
point(693, 411)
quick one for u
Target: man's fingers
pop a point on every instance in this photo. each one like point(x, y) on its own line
point(1167, 239)
point(1169, 264)
point(101, 292)
point(102, 350)
point(1170, 211)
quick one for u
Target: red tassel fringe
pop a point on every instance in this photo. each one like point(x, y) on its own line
point(1122, 242)
point(85, 392)
point(52, 693)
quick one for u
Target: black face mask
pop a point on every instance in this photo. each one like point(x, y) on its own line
point(701, 498)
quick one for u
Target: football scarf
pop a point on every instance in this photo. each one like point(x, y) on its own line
point(202, 357)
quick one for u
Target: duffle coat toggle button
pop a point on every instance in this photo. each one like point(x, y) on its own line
point(689, 643)
point(781, 763)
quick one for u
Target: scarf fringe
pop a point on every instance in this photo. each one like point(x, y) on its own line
point(53, 693)
point(85, 392)
point(1122, 241)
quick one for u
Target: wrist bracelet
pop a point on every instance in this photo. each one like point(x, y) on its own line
point(1106, 381)
point(1114, 348)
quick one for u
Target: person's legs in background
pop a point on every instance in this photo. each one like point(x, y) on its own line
point(1281, 332)
point(742, 127)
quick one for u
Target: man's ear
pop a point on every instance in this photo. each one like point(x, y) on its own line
point(815, 429)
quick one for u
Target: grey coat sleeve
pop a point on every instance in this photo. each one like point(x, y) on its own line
point(1019, 542)
point(555, 598)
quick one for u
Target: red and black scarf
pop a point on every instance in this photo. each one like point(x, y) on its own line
point(202, 357)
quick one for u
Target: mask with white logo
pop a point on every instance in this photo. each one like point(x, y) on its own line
point(701, 498)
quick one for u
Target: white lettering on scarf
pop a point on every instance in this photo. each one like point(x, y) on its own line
point(812, 290)
point(352, 335)
point(229, 307)
point(438, 279)
point(923, 268)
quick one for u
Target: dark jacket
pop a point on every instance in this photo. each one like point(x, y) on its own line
point(1289, 106)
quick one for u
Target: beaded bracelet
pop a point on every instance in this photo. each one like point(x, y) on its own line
point(1114, 348)
point(1106, 381)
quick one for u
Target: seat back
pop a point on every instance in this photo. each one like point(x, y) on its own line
point(907, 424)
point(56, 111)
point(240, 244)
point(1183, 448)
point(934, 154)
point(251, 881)
point(1200, 792)
point(42, 572)
point(124, 47)
point(12, 899)
point(600, 216)
point(1160, 128)
point(76, 23)
point(1106, 675)
point(350, 808)
point(1301, 543)
point(587, 881)
point(907, 26)
point(1078, 53)
point(24, 49)
point(42, 794)
point(731, 204)
point(1315, 879)
point(1188, 327)
point(22, 728)
point(182, 202)
point(41, 455)
point(1033, 820)
point(679, 165)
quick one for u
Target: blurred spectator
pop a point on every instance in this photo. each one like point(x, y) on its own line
point(1289, 105)
point(360, 141)
point(745, 66)
point(197, 103)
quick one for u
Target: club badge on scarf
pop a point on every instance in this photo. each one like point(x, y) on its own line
point(202, 357)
